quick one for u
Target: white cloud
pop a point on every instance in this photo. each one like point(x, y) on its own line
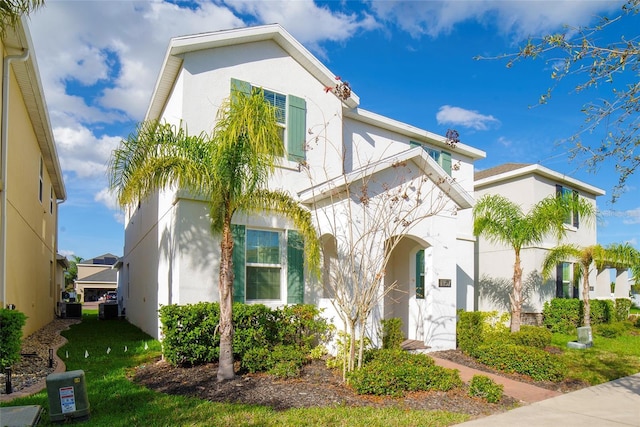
point(449, 115)
point(505, 142)
point(81, 152)
point(108, 199)
point(629, 216)
point(519, 19)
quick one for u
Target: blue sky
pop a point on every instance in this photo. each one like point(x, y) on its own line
point(412, 61)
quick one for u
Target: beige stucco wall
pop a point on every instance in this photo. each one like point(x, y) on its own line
point(31, 233)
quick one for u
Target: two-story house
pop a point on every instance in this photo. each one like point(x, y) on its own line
point(333, 148)
point(31, 188)
point(525, 185)
point(96, 276)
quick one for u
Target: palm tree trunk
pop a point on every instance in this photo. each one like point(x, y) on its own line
point(586, 320)
point(516, 297)
point(225, 365)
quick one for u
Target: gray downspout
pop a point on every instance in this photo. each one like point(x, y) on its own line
point(6, 75)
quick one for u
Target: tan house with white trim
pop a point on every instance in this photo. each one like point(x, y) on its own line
point(31, 188)
point(96, 276)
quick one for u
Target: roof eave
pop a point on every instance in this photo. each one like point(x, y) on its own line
point(28, 78)
point(179, 46)
point(410, 131)
point(429, 166)
point(536, 169)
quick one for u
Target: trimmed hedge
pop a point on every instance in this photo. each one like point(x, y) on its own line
point(470, 331)
point(394, 372)
point(532, 336)
point(536, 363)
point(564, 315)
point(12, 322)
point(190, 336)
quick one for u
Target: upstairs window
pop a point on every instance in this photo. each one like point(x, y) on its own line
point(572, 218)
point(51, 200)
point(443, 158)
point(40, 181)
point(291, 115)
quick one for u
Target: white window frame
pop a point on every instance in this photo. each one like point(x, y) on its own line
point(281, 265)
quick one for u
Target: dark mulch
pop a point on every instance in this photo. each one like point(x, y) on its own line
point(317, 386)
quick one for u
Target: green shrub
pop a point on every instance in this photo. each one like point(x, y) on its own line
point(12, 322)
point(622, 309)
point(562, 315)
point(190, 334)
point(610, 330)
point(470, 331)
point(256, 359)
point(188, 331)
point(532, 336)
point(392, 336)
point(285, 369)
point(484, 387)
point(536, 363)
point(394, 372)
point(602, 311)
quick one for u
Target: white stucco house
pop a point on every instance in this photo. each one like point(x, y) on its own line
point(526, 184)
point(335, 153)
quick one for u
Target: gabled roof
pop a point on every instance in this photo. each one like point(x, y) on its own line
point(16, 41)
point(428, 166)
point(508, 171)
point(106, 259)
point(178, 46)
point(102, 276)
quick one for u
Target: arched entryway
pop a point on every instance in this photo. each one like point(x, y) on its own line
point(404, 286)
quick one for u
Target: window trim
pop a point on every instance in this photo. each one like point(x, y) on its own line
point(281, 265)
point(41, 181)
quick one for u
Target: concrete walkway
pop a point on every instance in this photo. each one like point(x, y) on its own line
point(616, 403)
point(524, 392)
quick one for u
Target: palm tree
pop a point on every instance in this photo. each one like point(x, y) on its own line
point(12, 10)
point(502, 221)
point(615, 256)
point(230, 170)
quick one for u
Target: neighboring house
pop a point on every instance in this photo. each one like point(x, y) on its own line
point(527, 184)
point(31, 187)
point(96, 276)
point(170, 256)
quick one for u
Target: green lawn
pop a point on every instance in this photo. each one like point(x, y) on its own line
point(608, 359)
point(115, 401)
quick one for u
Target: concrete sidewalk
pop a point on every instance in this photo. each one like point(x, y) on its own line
point(616, 403)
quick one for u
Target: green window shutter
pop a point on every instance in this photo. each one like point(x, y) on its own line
point(295, 268)
point(239, 270)
point(445, 162)
point(296, 128)
point(576, 215)
point(239, 86)
point(420, 274)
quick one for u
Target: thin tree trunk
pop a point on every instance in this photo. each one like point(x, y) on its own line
point(516, 297)
point(586, 320)
point(225, 364)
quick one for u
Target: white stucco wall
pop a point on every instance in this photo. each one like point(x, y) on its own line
point(496, 261)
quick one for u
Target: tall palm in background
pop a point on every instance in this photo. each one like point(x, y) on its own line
point(504, 222)
point(230, 170)
point(12, 10)
point(620, 256)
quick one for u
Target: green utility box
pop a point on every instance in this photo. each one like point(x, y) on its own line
point(67, 392)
